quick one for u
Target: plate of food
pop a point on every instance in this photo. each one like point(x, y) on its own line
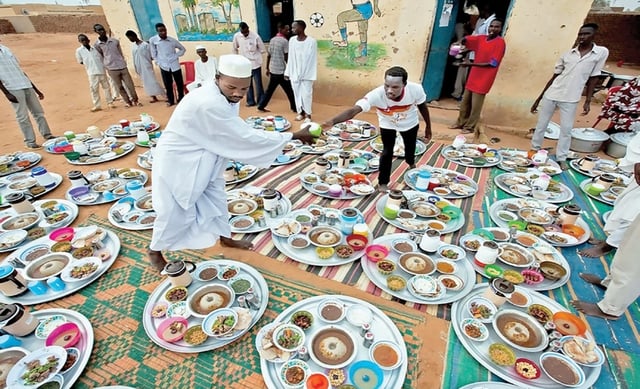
point(354, 130)
point(450, 184)
point(472, 155)
point(398, 148)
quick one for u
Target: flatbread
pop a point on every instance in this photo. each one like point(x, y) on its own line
point(244, 319)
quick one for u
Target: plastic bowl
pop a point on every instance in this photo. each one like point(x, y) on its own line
point(357, 242)
point(66, 335)
point(72, 156)
point(376, 252)
point(79, 191)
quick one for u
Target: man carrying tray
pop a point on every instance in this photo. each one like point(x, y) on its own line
point(202, 135)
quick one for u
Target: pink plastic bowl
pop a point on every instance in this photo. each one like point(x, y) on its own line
point(66, 335)
point(376, 252)
point(62, 234)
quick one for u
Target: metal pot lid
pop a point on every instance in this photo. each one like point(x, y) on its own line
point(589, 134)
point(623, 138)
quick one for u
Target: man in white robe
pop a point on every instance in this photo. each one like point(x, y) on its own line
point(143, 64)
point(302, 68)
point(626, 206)
point(205, 69)
point(202, 135)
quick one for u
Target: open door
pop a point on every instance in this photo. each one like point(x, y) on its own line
point(147, 14)
point(269, 13)
point(443, 26)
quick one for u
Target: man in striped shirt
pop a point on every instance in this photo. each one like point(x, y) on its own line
point(276, 63)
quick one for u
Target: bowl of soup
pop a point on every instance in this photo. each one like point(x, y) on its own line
point(386, 354)
point(520, 330)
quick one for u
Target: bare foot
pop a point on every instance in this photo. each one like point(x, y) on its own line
point(595, 241)
point(593, 279)
point(382, 188)
point(153, 100)
point(596, 251)
point(238, 244)
point(157, 259)
point(591, 309)
point(455, 127)
point(412, 166)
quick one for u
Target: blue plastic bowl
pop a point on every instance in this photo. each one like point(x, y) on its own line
point(373, 367)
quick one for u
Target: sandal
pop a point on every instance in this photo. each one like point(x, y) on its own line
point(299, 118)
point(138, 104)
point(127, 105)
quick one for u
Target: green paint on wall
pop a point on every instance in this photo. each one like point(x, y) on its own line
point(348, 58)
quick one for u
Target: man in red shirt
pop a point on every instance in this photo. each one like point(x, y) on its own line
point(489, 50)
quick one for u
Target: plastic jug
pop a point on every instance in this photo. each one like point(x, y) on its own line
point(422, 180)
point(143, 137)
point(146, 119)
point(459, 141)
point(540, 157)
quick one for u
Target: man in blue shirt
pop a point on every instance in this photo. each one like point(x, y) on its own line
point(166, 51)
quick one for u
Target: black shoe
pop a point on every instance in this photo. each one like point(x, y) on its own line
point(251, 105)
point(33, 146)
point(47, 137)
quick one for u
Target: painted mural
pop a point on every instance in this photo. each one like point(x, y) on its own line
point(206, 20)
point(351, 48)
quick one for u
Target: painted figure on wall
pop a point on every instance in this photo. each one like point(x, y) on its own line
point(206, 20)
point(360, 13)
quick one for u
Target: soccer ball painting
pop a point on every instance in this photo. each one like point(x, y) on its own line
point(316, 19)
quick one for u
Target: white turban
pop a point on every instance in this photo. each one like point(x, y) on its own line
point(200, 47)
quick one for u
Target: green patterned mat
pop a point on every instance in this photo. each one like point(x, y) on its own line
point(124, 355)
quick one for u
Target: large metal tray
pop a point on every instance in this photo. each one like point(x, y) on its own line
point(117, 132)
point(376, 144)
point(595, 172)
point(563, 196)
point(381, 326)
point(480, 350)
point(488, 162)
point(464, 271)
point(308, 255)
point(333, 156)
point(255, 228)
point(410, 180)
point(451, 226)
point(131, 226)
point(57, 178)
point(336, 130)
point(144, 177)
point(110, 242)
point(84, 345)
point(498, 206)
point(68, 206)
point(345, 195)
point(332, 144)
point(544, 285)
point(583, 187)
point(550, 167)
point(34, 159)
point(130, 147)
point(261, 289)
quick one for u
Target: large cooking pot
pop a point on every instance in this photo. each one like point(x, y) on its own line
point(587, 140)
point(617, 148)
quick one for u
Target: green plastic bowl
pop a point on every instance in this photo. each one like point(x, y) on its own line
point(72, 156)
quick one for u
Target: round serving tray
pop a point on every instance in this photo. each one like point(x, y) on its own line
point(61, 206)
point(559, 197)
point(101, 200)
point(351, 131)
point(480, 350)
point(116, 130)
point(478, 162)
point(11, 167)
point(381, 326)
point(345, 195)
point(583, 187)
point(308, 255)
point(331, 143)
point(545, 284)
point(464, 271)
point(603, 166)
point(256, 122)
point(376, 144)
point(151, 324)
point(111, 244)
point(252, 171)
point(451, 226)
point(128, 225)
point(410, 180)
point(84, 345)
point(550, 167)
point(254, 191)
point(128, 147)
point(333, 157)
point(4, 191)
point(499, 205)
point(144, 161)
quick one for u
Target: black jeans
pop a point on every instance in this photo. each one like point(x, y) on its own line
point(388, 142)
point(274, 81)
point(167, 79)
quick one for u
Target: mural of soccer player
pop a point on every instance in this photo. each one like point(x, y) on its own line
point(361, 12)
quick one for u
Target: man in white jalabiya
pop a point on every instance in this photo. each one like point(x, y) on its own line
point(621, 284)
point(205, 68)
point(202, 135)
point(143, 64)
point(302, 68)
point(92, 62)
point(626, 207)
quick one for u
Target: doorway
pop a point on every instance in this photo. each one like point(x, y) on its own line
point(269, 13)
point(147, 14)
point(440, 74)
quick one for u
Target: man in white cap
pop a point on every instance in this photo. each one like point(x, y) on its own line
point(206, 68)
point(202, 135)
point(302, 68)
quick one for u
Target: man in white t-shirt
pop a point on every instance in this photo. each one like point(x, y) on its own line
point(397, 104)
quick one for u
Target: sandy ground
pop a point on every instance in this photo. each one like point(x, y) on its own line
point(49, 61)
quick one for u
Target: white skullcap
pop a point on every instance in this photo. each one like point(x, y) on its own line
point(234, 65)
point(632, 156)
point(200, 47)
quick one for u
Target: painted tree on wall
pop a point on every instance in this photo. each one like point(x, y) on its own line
point(226, 6)
point(190, 7)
